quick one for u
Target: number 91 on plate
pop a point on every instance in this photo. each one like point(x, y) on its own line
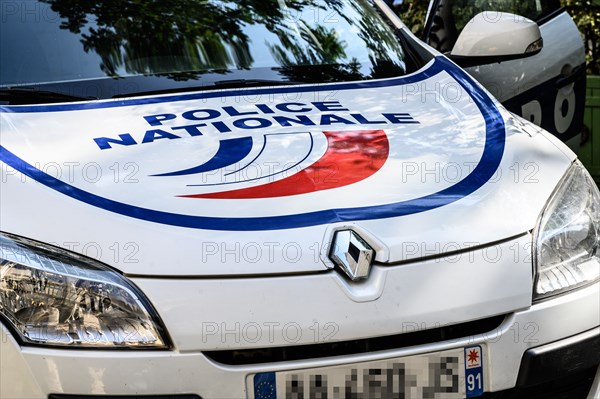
point(451, 374)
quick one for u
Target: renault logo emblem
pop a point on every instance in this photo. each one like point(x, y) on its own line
point(351, 254)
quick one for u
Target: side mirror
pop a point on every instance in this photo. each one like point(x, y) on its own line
point(494, 37)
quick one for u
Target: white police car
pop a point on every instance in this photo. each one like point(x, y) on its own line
point(285, 199)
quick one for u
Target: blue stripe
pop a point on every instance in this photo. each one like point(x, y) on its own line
point(490, 160)
point(230, 151)
point(255, 158)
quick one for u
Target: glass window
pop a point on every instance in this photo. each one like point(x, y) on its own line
point(64, 41)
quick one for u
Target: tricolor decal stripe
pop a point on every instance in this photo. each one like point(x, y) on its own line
point(351, 156)
point(231, 151)
point(481, 174)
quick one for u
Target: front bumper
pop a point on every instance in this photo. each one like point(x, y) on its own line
point(398, 295)
point(551, 361)
point(29, 372)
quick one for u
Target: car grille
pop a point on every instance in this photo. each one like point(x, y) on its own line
point(339, 348)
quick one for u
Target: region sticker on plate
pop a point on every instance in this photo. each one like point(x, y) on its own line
point(473, 371)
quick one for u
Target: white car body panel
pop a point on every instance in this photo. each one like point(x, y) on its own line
point(430, 293)
point(415, 171)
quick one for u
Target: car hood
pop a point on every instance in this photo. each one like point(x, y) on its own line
point(255, 181)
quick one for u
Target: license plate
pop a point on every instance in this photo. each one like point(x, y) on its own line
point(451, 374)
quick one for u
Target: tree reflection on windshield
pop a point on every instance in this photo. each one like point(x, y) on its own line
point(184, 38)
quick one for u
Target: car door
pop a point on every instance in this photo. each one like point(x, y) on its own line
point(547, 88)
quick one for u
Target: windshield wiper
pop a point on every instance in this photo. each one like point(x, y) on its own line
point(220, 84)
point(30, 95)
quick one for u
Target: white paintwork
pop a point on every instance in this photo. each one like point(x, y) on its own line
point(496, 34)
point(437, 291)
point(447, 119)
point(424, 159)
point(17, 381)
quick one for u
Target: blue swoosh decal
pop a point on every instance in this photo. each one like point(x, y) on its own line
point(255, 158)
point(230, 151)
point(493, 152)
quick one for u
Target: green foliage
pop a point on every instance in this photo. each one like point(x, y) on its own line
point(185, 38)
point(586, 15)
point(413, 13)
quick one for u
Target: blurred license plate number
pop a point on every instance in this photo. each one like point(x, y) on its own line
point(436, 376)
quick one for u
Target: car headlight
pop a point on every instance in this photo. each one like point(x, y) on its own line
point(567, 238)
point(56, 298)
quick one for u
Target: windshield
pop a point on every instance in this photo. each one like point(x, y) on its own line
point(157, 45)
